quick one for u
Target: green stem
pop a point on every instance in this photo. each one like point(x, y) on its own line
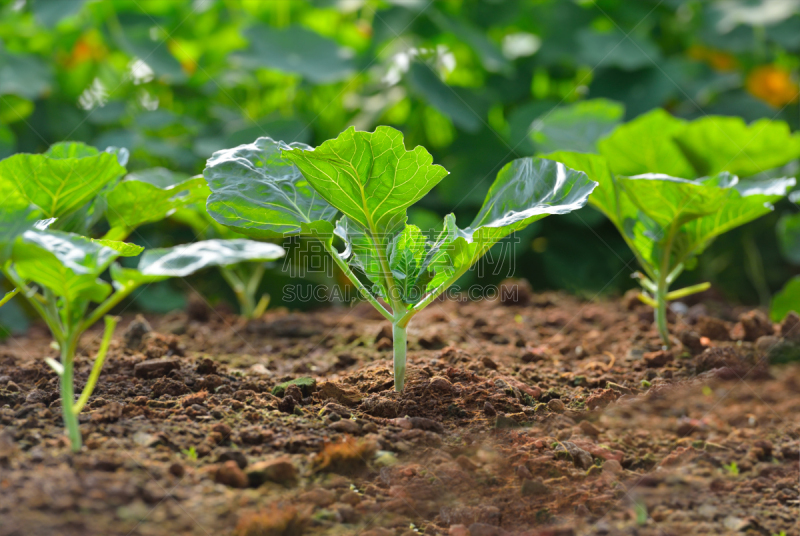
point(10, 294)
point(357, 282)
point(687, 291)
point(111, 324)
point(106, 306)
point(67, 393)
point(662, 287)
point(246, 304)
point(399, 343)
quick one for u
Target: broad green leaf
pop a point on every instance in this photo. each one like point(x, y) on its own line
point(369, 176)
point(361, 253)
point(180, 261)
point(646, 145)
point(59, 184)
point(786, 300)
point(65, 263)
point(606, 196)
point(148, 197)
point(296, 50)
point(672, 201)
point(259, 193)
point(715, 143)
point(526, 190)
point(124, 277)
point(125, 249)
point(13, 222)
point(71, 149)
point(576, 127)
point(789, 237)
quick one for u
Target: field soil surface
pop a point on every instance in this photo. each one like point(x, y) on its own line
point(544, 416)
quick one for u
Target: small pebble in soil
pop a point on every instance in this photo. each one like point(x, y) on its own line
point(556, 405)
point(488, 409)
point(230, 475)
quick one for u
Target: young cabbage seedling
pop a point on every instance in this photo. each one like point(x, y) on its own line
point(269, 189)
point(244, 278)
point(58, 274)
point(667, 222)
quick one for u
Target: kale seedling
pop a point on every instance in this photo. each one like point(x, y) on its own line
point(668, 221)
point(269, 190)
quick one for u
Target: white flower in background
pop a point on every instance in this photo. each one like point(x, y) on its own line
point(765, 13)
point(94, 96)
point(148, 101)
point(141, 73)
point(400, 63)
point(520, 45)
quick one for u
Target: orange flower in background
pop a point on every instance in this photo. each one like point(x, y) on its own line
point(89, 47)
point(773, 85)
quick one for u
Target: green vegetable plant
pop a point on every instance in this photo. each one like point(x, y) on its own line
point(244, 278)
point(667, 221)
point(58, 273)
point(358, 187)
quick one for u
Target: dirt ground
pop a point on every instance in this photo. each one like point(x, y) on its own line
point(548, 416)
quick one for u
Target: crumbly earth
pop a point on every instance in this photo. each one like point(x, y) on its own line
point(546, 416)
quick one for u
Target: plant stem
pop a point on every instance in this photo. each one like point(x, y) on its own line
point(111, 323)
point(357, 282)
point(67, 393)
point(399, 342)
point(8, 295)
point(246, 304)
point(687, 291)
point(661, 311)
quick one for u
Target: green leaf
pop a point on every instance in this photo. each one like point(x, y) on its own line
point(61, 183)
point(715, 143)
point(646, 145)
point(672, 201)
point(24, 75)
point(616, 49)
point(124, 277)
point(786, 300)
point(605, 197)
point(50, 12)
point(180, 261)
point(296, 50)
point(526, 190)
point(65, 263)
point(259, 193)
point(125, 249)
point(13, 222)
point(361, 253)
point(71, 149)
point(150, 196)
point(369, 176)
point(576, 127)
point(427, 84)
point(418, 264)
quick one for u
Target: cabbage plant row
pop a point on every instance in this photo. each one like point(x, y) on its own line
point(352, 194)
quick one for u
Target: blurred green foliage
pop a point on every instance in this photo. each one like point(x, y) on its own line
point(477, 82)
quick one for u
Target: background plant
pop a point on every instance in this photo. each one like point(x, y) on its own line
point(478, 83)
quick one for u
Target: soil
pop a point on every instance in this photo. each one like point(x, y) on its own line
point(548, 416)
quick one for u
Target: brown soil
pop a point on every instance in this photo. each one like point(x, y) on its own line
point(556, 417)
